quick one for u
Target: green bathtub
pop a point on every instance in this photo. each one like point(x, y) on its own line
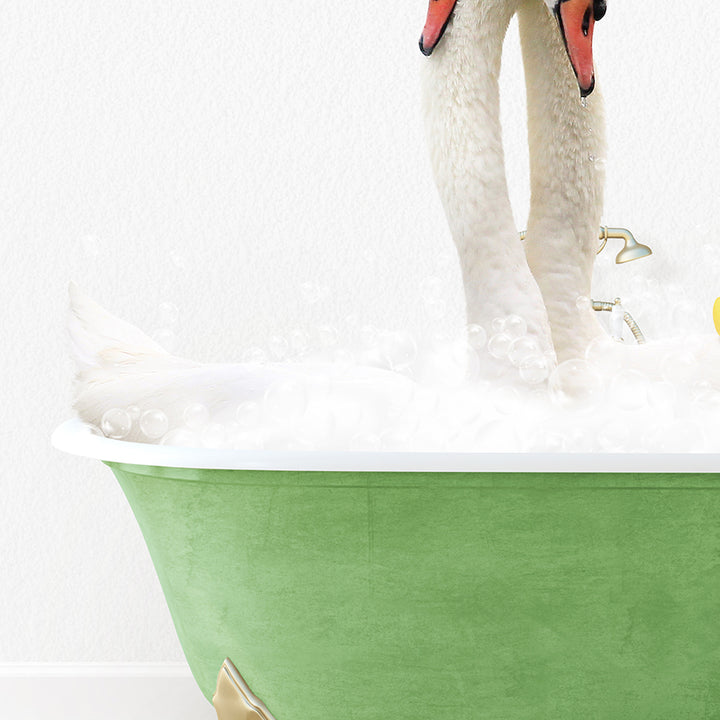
point(425, 586)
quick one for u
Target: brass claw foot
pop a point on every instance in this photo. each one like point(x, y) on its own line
point(233, 699)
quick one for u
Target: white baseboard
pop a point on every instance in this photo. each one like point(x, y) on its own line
point(111, 691)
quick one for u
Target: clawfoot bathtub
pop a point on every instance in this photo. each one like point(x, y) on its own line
point(361, 586)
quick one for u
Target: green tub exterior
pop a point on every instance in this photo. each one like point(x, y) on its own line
point(418, 596)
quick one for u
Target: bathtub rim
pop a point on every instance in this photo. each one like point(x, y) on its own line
point(76, 438)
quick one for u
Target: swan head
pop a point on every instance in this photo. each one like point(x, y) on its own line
point(576, 20)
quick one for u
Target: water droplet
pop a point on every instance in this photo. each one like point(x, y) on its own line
point(116, 423)
point(154, 424)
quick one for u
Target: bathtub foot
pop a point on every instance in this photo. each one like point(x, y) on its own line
point(233, 699)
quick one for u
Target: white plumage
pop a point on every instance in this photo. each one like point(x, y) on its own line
point(120, 366)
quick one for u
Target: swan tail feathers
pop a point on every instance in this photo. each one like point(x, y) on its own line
point(99, 338)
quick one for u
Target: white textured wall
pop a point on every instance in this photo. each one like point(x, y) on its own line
point(218, 155)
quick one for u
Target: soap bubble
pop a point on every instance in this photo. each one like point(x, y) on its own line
point(327, 336)
point(683, 436)
point(180, 437)
point(365, 442)
point(629, 389)
point(248, 415)
point(449, 365)
point(574, 384)
point(213, 435)
point(499, 345)
point(534, 369)
point(550, 442)
point(285, 401)
point(476, 337)
point(134, 412)
point(522, 349)
point(168, 314)
point(662, 396)
point(395, 439)
point(506, 400)
point(116, 423)
point(515, 326)
point(254, 355)
point(369, 336)
point(166, 338)
point(90, 246)
point(683, 315)
point(583, 303)
point(705, 395)
point(154, 424)
point(278, 347)
point(679, 366)
point(247, 441)
point(616, 437)
point(399, 349)
point(196, 415)
point(299, 341)
point(318, 422)
point(93, 429)
point(498, 325)
point(343, 357)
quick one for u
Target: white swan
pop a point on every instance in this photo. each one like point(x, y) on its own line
point(461, 104)
point(566, 138)
point(120, 366)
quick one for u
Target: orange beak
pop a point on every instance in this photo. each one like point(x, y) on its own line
point(577, 22)
point(438, 17)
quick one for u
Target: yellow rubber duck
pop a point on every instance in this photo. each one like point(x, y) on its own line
point(716, 315)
